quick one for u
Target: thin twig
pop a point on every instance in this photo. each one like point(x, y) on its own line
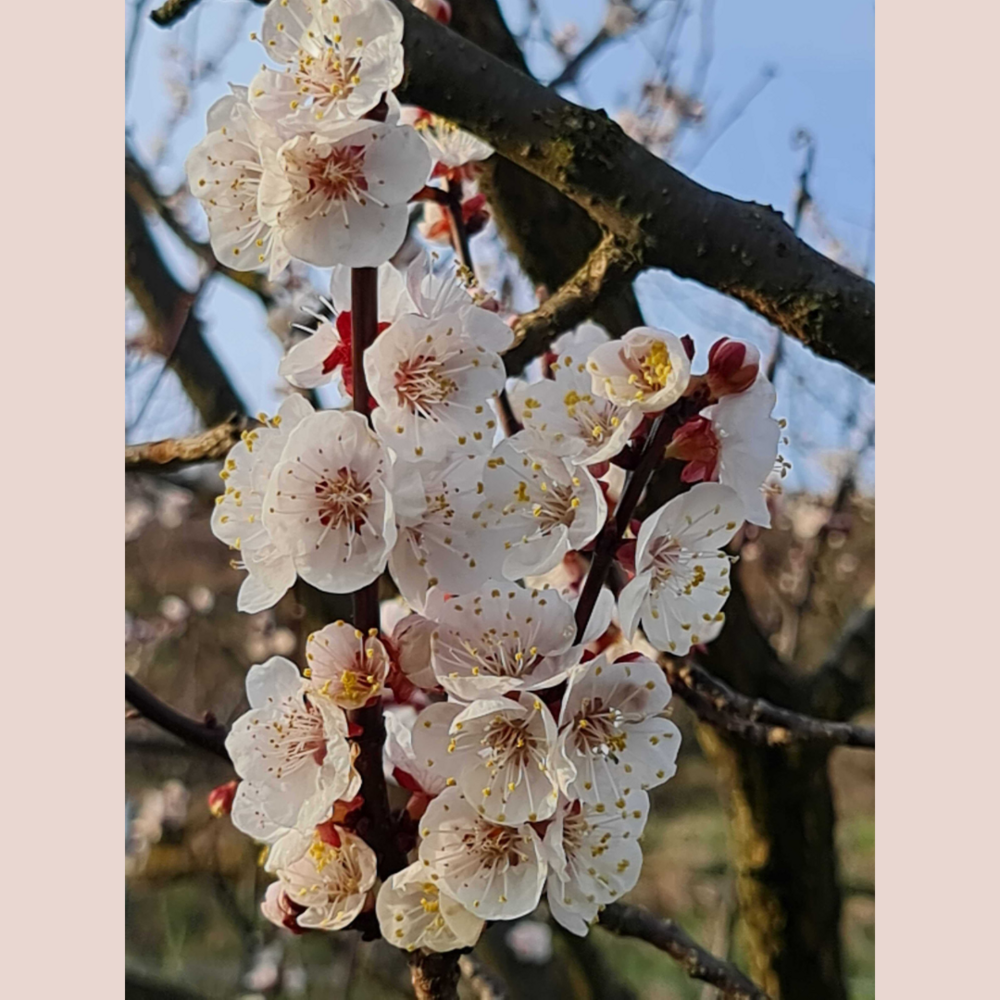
point(172, 454)
point(207, 736)
point(609, 540)
point(755, 719)
point(633, 921)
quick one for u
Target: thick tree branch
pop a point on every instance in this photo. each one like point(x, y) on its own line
point(742, 249)
point(633, 921)
point(612, 262)
point(207, 736)
point(755, 719)
point(172, 454)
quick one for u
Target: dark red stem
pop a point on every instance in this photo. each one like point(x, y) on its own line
point(611, 537)
point(377, 825)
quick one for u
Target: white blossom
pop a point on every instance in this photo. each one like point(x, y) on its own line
point(594, 858)
point(612, 730)
point(328, 502)
point(442, 293)
point(437, 540)
point(345, 665)
point(341, 197)
point(224, 173)
point(748, 439)
point(411, 639)
point(681, 573)
point(495, 872)
point(564, 415)
point(331, 880)
point(433, 383)
point(338, 59)
point(326, 352)
point(647, 368)
point(402, 757)
point(292, 750)
point(449, 145)
point(501, 753)
point(238, 516)
point(539, 505)
point(500, 638)
point(414, 913)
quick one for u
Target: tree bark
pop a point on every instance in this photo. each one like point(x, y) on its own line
point(782, 824)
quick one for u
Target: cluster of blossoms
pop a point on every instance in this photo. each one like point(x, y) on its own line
point(528, 746)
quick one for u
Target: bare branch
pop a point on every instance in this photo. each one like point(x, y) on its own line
point(611, 262)
point(755, 719)
point(208, 736)
point(172, 454)
point(742, 249)
point(633, 921)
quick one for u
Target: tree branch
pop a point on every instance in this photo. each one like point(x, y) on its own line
point(175, 329)
point(610, 538)
point(633, 921)
point(434, 976)
point(207, 736)
point(172, 454)
point(845, 684)
point(612, 262)
point(755, 719)
point(742, 249)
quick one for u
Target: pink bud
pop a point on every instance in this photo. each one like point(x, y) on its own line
point(220, 800)
point(732, 366)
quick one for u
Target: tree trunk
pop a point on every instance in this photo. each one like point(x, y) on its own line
point(782, 824)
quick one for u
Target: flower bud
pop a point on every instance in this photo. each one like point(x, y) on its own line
point(695, 443)
point(220, 800)
point(732, 366)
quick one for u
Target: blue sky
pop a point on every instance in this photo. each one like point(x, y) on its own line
point(823, 57)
